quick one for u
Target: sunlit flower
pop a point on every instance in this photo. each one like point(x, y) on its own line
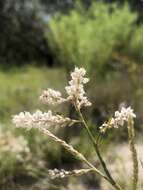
point(119, 119)
point(38, 119)
point(125, 114)
point(75, 90)
point(51, 97)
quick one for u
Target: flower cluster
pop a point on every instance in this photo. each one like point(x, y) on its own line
point(75, 90)
point(51, 97)
point(119, 119)
point(76, 95)
point(56, 173)
point(38, 119)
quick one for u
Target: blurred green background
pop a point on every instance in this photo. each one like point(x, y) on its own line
point(41, 41)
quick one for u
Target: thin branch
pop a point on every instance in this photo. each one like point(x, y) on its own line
point(110, 178)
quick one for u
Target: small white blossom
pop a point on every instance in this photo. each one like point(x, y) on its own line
point(119, 119)
point(75, 90)
point(51, 97)
point(103, 127)
point(38, 119)
point(23, 119)
point(56, 173)
point(123, 116)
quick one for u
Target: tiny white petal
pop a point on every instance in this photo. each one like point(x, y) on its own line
point(39, 119)
point(52, 97)
point(75, 90)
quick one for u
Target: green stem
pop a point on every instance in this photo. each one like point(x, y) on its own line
point(115, 185)
point(96, 170)
point(110, 178)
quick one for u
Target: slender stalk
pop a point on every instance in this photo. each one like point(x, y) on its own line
point(112, 181)
point(134, 153)
point(73, 151)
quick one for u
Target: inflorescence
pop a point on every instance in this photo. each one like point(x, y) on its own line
point(119, 119)
point(76, 95)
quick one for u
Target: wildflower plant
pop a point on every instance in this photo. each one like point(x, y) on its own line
point(76, 95)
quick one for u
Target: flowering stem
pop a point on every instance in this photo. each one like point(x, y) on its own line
point(134, 152)
point(110, 178)
point(70, 149)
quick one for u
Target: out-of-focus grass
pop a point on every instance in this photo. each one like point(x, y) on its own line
point(20, 88)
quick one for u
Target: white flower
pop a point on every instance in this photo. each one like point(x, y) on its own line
point(128, 113)
point(52, 97)
point(103, 127)
point(119, 119)
point(123, 116)
point(23, 119)
point(75, 90)
point(39, 119)
point(58, 173)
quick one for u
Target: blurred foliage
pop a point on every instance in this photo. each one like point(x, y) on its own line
point(22, 25)
point(14, 153)
point(20, 89)
point(89, 37)
point(21, 36)
point(135, 46)
point(22, 31)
